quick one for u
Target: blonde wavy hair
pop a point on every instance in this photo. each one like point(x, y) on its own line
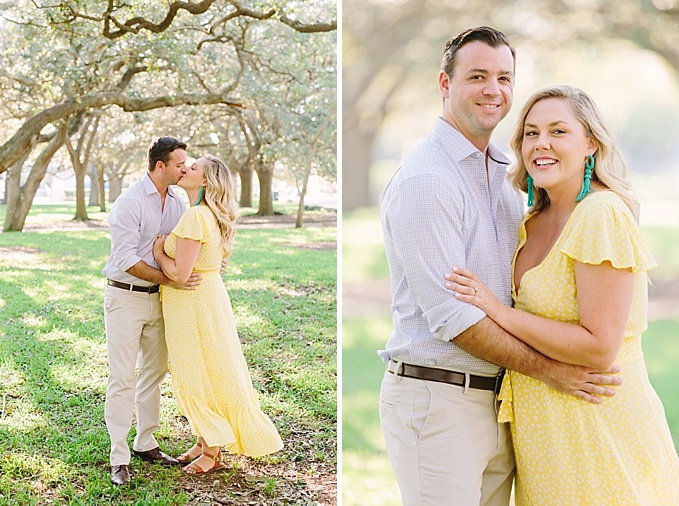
point(220, 197)
point(610, 168)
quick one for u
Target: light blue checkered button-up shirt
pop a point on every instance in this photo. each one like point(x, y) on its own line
point(136, 219)
point(440, 210)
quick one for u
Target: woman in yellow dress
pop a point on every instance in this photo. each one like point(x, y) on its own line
point(209, 374)
point(580, 296)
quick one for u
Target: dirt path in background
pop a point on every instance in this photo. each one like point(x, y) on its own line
point(328, 219)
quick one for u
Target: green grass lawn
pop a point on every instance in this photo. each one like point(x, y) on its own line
point(53, 440)
point(366, 471)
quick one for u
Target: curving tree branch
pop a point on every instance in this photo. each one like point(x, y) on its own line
point(134, 25)
point(128, 75)
point(114, 28)
point(308, 28)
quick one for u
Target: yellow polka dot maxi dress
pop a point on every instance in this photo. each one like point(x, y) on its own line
point(570, 452)
point(210, 377)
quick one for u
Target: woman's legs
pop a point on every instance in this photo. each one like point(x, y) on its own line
point(209, 460)
point(193, 453)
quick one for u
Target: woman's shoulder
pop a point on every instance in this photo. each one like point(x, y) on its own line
point(601, 210)
point(602, 199)
point(196, 215)
point(195, 209)
point(604, 195)
point(198, 211)
point(205, 215)
point(602, 227)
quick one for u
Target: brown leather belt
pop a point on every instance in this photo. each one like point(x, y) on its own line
point(133, 288)
point(492, 383)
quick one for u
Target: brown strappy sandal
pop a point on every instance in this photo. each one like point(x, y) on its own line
point(187, 458)
point(193, 468)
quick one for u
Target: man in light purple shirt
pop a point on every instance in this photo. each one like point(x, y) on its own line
point(450, 205)
point(135, 329)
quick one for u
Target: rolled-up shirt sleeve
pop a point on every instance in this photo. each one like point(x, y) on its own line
point(125, 230)
point(430, 234)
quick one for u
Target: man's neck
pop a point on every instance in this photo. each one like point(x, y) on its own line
point(158, 183)
point(479, 142)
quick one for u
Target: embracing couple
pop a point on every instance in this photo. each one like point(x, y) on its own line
point(159, 247)
point(557, 297)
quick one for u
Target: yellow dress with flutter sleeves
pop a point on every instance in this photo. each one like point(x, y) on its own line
point(570, 452)
point(210, 377)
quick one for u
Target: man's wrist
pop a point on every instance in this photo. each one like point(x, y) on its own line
point(144, 271)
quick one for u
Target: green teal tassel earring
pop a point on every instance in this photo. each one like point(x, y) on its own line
point(200, 196)
point(531, 196)
point(586, 188)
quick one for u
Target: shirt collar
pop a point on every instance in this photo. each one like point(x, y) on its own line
point(460, 147)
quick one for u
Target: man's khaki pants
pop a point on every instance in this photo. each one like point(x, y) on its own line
point(134, 330)
point(445, 444)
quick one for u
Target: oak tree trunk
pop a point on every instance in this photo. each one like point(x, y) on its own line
point(357, 155)
point(20, 198)
point(94, 199)
point(101, 185)
point(115, 187)
point(80, 207)
point(302, 194)
point(245, 175)
point(265, 176)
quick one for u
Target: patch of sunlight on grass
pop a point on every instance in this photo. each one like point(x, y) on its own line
point(34, 467)
point(95, 264)
point(33, 291)
point(251, 285)
point(232, 271)
point(61, 292)
point(248, 319)
point(13, 256)
point(11, 378)
point(2, 302)
point(368, 479)
point(25, 417)
point(33, 321)
point(95, 351)
point(78, 377)
point(98, 283)
point(22, 278)
point(58, 335)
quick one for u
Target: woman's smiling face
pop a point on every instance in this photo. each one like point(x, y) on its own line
point(555, 146)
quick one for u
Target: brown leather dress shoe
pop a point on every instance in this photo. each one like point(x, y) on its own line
point(120, 475)
point(156, 456)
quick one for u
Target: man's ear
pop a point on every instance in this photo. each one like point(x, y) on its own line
point(444, 84)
